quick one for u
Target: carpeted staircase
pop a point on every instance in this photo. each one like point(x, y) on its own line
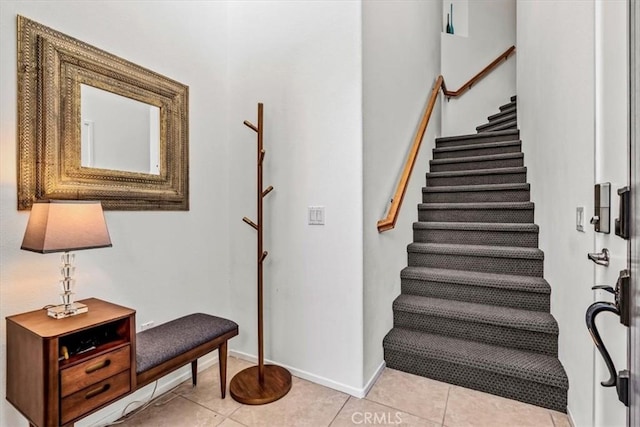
point(474, 307)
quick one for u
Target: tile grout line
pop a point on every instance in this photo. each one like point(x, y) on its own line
point(339, 410)
point(446, 404)
point(402, 410)
point(234, 411)
point(202, 406)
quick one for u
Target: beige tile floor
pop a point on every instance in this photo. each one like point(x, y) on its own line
point(397, 399)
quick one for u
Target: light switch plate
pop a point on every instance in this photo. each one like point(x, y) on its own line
point(580, 218)
point(316, 215)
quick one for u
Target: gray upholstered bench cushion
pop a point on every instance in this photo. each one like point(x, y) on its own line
point(164, 342)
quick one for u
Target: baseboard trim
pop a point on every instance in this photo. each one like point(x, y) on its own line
point(113, 412)
point(570, 418)
point(335, 385)
point(374, 378)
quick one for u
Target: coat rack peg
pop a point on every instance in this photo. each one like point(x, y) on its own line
point(260, 384)
point(250, 125)
point(251, 223)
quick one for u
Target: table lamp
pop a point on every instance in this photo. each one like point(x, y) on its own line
point(64, 226)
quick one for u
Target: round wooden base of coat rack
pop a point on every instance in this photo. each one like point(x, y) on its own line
point(246, 387)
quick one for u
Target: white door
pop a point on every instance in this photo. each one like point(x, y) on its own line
point(611, 166)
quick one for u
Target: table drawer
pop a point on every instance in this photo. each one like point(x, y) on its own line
point(94, 396)
point(94, 370)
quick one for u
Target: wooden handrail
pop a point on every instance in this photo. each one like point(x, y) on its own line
point(389, 222)
point(473, 80)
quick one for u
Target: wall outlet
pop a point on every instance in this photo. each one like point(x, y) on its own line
point(147, 325)
point(316, 215)
point(580, 218)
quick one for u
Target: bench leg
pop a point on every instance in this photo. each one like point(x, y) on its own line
point(222, 356)
point(194, 372)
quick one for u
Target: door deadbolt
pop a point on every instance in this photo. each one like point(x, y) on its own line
point(602, 207)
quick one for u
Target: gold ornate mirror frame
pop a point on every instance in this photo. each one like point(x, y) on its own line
point(51, 68)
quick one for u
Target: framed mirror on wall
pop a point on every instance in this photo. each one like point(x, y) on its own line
point(93, 126)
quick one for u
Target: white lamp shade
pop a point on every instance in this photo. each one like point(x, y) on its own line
point(61, 225)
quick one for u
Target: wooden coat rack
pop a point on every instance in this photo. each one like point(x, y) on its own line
point(260, 384)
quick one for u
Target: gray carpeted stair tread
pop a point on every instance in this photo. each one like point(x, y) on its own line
point(476, 172)
point(511, 133)
point(508, 105)
point(503, 113)
point(481, 206)
point(504, 212)
point(500, 175)
point(473, 278)
point(501, 126)
point(477, 158)
point(498, 120)
point(478, 149)
point(477, 226)
point(530, 366)
point(514, 98)
point(477, 233)
point(479, 187)
point(494, 144)
point(507, 317)
point(476, 250)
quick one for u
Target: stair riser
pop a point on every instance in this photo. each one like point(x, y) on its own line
point(503, 178)
point(477, 294)
point(503, 113)
point(520, 216)
point(477, 237)
point(476, 152)
point(476, 196)
point(510, 387)
point(501, 126)
point(538, 342)
point(483, 164)
point(503, 119)
point(484, 264)
point(512, 104)
point(482, 140)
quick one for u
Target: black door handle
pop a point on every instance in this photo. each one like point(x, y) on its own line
point(593, 310)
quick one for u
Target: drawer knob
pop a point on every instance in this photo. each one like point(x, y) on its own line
point(97, 366)
point(96, 391)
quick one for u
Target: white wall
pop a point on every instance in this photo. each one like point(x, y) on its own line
point(401, 43)
point(556, 119)
point(303, 61)
point(492, 29)
point(163, 264)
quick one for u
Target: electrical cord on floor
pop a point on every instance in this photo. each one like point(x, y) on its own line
point(126, 416)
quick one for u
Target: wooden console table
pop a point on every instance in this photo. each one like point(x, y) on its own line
point(59, 371)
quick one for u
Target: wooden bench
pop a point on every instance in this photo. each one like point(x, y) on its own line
point(170, 346)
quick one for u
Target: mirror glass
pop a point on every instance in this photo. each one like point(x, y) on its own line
point(118, 133)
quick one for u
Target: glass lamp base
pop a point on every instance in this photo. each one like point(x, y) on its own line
point(61, 311)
